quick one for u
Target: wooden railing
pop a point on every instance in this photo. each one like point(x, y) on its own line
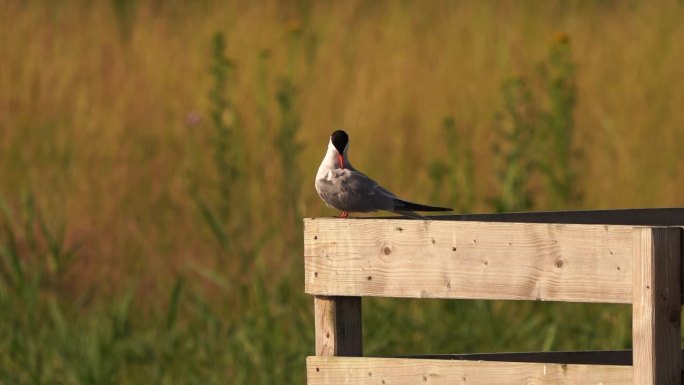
point(616, 256)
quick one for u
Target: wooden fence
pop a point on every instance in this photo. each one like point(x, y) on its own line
point(615, 256)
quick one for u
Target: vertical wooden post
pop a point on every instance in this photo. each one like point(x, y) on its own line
point(338, 326)
point(656, 307)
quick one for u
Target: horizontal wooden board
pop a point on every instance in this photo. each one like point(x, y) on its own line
point(636, 217)
point(596, 357)
point(586, 357)
point(408, 371)
point(485, 260)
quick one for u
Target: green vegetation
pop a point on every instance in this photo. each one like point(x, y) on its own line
point(456, 175)
point(156, 160)
point(537, 141)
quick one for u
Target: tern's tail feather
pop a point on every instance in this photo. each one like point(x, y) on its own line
point(400, 205)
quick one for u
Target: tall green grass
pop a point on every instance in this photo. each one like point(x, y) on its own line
point(52, 338)
point(453, 179)
point(536, 136)
point(156, 160)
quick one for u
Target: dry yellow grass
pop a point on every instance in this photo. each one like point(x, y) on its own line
point(93, 107)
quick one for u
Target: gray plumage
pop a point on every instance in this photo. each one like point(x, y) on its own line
point(343, 187)
point(353, 191)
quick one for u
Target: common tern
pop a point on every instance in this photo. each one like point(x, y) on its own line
point(343, 187)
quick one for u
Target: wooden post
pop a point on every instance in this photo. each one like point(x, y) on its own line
point(656, 307)
point(338, 326)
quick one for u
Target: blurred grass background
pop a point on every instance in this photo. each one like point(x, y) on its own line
point(156, 159)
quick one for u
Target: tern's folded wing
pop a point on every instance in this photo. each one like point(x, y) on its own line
point(354, 191)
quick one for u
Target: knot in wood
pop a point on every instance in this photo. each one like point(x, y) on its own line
point(559, 262)
point(387, 250)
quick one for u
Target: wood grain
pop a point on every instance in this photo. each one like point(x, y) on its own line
point(407, 371)
point(656, 312)
point(448, 259)
point(338, 326)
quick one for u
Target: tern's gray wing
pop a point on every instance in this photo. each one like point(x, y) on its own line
point(353, 191)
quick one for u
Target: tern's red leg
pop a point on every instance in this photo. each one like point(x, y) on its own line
point(344, 214)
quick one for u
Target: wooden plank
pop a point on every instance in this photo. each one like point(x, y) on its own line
point(338, 326)
point(635, 217)
point(397, 371)
point(446, 259)
point(656, 312)
point(588, 357)
point(593, 357)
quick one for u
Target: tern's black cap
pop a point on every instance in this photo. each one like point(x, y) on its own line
point(339, 139)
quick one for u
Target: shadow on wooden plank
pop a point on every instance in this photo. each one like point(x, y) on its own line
point(596, 357)
point(635, 217)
